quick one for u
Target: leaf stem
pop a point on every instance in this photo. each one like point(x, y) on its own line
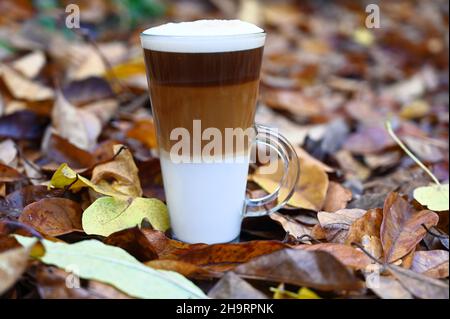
point(388, 125)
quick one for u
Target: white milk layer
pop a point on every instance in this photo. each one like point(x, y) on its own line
point(206, 200)
point(203, 36)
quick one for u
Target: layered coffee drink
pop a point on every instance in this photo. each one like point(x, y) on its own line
point(203, 81)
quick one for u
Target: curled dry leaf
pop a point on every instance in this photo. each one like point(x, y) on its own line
point(53, 216)
point(231, 286)
point(290, 225)
point(366, 231)
point(314, 269)
point(122, 171)
point(432, 263)
point(337, 224)
point(402, 227)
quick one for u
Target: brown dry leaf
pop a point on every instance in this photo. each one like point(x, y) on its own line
point(217, 257)
point(337, 224)
point(315, 269)
point(9, 174)
point(134, 241)
point(78, 126)
point(59, 150)
point(388, 287)
point(367, 225)
point(367, 140)
point(337, 197)
point(31, 64)
point(143, 130)
point(8, 153)
point(294, 102)
point(186, 269)
point(351, 167)
point(122, 171)
point(311, 188)
point(290, 225)
point(401, 229)
point(432, 263)
point(427, 149)
point(347, 255)
point(53, 216)
point(231, 286)
point(223, 257)
point(420, 285)
point(54, 283)
point(13, 263)
point(304, 155)
point(22, 88)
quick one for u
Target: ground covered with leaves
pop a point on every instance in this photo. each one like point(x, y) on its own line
point(81, 193)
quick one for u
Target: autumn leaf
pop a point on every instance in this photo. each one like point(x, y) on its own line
point(53, 216)
point(402, 227)
point(122, 171)
point(314, 269)
point(13, 263)
point(435, 197)
point(433, 263)
point(346, 254)
point(52, 284)
point(420, 285)
point(310, 191)
point(116, 267)
point(231, 286)
point(108, 215)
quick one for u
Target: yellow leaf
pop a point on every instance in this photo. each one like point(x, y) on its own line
point(303, 293)
point(311, 188)
point(363, 37)
point(65, 177)
point(415, 110)
point(435, 197)
point(122, 171)
point(108, 215)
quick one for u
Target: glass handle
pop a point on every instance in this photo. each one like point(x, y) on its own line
point(291, 171)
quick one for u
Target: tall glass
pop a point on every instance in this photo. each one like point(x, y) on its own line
point(203, 91)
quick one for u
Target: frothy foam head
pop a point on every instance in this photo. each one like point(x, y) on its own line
point(203, 36)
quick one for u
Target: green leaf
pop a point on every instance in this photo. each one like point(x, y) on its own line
point(435, 197)
point(108, 215)
point(91, 259)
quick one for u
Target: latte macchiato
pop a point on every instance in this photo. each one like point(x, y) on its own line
point(204, 72)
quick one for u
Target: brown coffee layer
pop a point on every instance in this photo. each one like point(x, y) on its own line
point(219, 89)
point(200, 69)
point(221, 107)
